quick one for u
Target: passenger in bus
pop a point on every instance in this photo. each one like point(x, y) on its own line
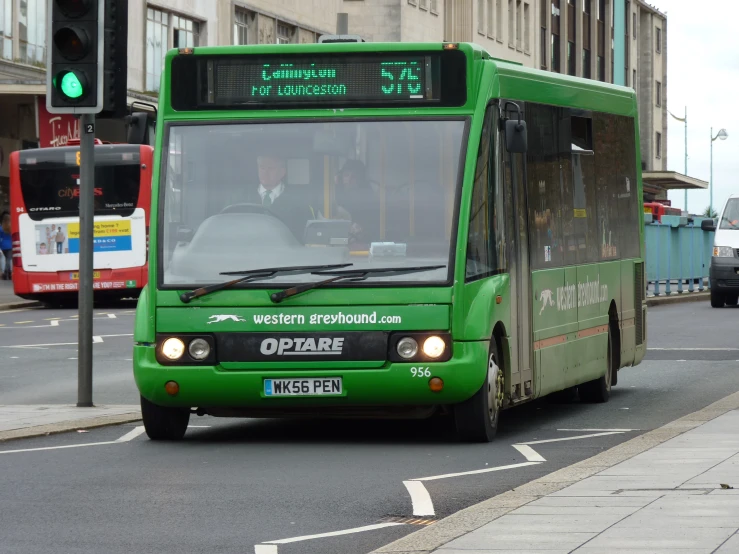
point(357, 201)
point(279, 198)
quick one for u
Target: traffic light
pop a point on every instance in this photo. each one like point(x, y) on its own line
point(115, 60)
point(74, 82)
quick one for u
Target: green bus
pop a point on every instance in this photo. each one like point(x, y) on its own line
point(351, 229)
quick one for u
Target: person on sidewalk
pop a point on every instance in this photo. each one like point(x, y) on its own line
point(6, 245)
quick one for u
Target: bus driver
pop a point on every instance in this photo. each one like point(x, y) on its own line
point(280, 199)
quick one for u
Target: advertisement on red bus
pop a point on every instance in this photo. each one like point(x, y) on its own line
point(44, 202)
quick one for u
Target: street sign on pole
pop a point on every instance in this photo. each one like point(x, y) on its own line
point(87, 215)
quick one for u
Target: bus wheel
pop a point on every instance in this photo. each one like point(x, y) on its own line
point(599, 390)
point(732, 300)
point(476, 418)
point(162, 423)
point(717, 299)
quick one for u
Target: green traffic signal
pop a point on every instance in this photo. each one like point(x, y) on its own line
point(71, 86)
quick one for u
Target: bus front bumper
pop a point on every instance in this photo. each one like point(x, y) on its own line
point(394, 384)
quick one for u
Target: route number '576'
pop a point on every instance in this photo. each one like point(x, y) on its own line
point(421, 372)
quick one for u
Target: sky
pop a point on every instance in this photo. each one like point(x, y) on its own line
point(703, 74)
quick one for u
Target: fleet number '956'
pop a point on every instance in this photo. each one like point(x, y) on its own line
point(421, 372)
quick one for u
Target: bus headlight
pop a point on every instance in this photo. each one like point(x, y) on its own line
point(723, 252)
point(434, 346)
point(173, 349)
point(199, 349)
point(407, 348)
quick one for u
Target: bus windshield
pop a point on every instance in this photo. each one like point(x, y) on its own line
point(246, 196)
point(50, 182)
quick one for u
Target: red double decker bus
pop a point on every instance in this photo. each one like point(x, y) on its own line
point(44, 201)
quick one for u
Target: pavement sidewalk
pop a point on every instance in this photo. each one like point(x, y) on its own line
point(8, 300)
point(24, 421)
point(673, 490)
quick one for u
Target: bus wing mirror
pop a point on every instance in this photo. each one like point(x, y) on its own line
point(708, 225)
point(138, 128)
point(516, 136)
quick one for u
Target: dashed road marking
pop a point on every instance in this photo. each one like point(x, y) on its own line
point(573, 438)
point(420, 498)
point(529, 453)
point(22, 322)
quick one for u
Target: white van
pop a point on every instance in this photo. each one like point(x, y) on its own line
point(724, 270)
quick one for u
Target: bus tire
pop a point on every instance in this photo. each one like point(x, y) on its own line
point(476, 419)
point(162, 423)
point(717, 299)
point(599, 390)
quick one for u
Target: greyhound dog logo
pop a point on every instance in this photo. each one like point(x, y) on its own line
point(221, 318)
point(545, 298)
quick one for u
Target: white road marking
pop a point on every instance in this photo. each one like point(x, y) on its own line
point(95, 339)
point(599, 430)
point(14, 357)
point(54, 323)
point(265, 549)
point(14, 311)
point(476, 471)
point(578, 437)
point(132, 434)
point(335, 533)
point(56, 447)
point(199, 426)
point(112, 316)
point(71, 358)
point(698, 349)
point(529, 453)
point(422, 504)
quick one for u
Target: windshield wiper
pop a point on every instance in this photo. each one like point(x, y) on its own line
point(255, 275)
point(349, 275)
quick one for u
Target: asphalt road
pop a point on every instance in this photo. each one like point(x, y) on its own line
point(234, 485)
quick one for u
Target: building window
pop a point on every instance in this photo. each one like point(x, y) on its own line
point(658, 93)
point(659, 40)
point(586, 64)
point(481, 16)
point(284, 32)
point(157, 24)
point(633, 80)
point(633, 25)
point(658, 146)
point(32, 31)
point(586, 6)
point(434, 6)
point(601, 68)
point(423, 4)
point(412, 2)
point(519, 29)
point(601, 10)
point(555, 37)
point(526, 32)
point(241, 27)
point(571, 59)
point(499, 19)
point(185, 32)
point(511, 23)
point(6, 29)
point(543, 34)
point(490, 18)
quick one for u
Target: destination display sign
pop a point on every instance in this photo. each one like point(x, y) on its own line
point(366, 79)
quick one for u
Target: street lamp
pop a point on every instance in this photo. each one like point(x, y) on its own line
point(684, 120)
point(723, 135)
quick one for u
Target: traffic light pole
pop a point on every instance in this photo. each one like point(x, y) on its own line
point(87, 212)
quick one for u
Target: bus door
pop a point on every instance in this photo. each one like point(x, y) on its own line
point(521, 333)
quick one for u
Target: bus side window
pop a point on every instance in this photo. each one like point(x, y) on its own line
point(481, 241)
